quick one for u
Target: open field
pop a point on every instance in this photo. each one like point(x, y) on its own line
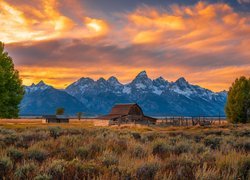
point(79, 150)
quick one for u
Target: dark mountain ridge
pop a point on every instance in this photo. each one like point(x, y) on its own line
point(157, 97)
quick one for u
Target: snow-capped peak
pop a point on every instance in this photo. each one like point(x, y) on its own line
point(142, 74)
point(181, 81)
point(142, 81)
point(41, 83)
point(41, 86)
point(113, 81)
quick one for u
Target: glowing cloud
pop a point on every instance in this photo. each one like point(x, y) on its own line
point(61, 41)
point(33, 23)
point(202, 27)
point(97, 26)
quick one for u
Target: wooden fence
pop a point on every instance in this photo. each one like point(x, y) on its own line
point(191, 121)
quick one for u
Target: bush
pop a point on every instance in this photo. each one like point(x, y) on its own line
point(94, 149)
point(57, 169)
point(183, 167)
point(109, 159)
point(43, 177)
point(37, 155)
point(138, 152)
point(182, 147)
point(212, 141)
point(10, 139)
point(15, 154)
point(136, 135)
point(82, 152)
point(147, 171)
point(55, 132)
point(242, 144)
point(5, 166)
point(118, 145)
point(244, 169)
point(25, 171)
point(161, 149)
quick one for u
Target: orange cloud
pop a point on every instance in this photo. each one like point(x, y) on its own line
point(206, 43)
point(34, 23)
point(202, 27)
point(216, 79)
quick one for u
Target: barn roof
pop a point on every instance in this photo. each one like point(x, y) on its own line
point(122, 109)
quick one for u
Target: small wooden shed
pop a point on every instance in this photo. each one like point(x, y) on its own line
point(128, 113)
point(56, 119)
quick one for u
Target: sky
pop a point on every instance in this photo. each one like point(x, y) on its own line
point(60, 41)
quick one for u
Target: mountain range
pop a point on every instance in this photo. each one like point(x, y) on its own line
point(157, 97)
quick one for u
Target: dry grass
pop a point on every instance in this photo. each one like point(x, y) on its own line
point(79, 150)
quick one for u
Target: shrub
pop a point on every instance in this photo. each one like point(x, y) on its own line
point(6, 131)
point(10, 139)
point(244, 169)
point(242, 144)
point(5, 166)
point(43, 177)
point(182, 147)
point(25, 171)
point(198, 138)
point(82, 152)
point(109, 159)
point(138, 152)
point(182, 167)
point(94, 149)
point(15, 154)
point(212, 141)
point(90, 171)
point(37, 155)
point(75, 169)
point(161, 149)
point(57, 169)
point(151, 136)
point(118, 145)
point(147, 171)
point(136, 135)
point(55, 132)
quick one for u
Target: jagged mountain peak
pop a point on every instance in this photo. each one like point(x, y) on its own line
point(83, 81)
point(41, 83)
point(101, 80)
point(181, 81)
point(113, 81)
point(157, 96)
point(161, 80)
point(142, 74)
point(41, 86)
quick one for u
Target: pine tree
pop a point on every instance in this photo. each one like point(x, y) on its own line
point(238, 101)
point(11, 89)
point(60, 111)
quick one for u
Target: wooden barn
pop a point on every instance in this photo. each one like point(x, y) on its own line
point(128, 113)
point(56, 119)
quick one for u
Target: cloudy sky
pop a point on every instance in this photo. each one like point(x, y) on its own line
point(59, 41)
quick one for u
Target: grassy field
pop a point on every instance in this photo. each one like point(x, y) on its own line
point(31, 150)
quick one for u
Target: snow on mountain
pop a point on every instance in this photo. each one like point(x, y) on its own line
point(37, 87)
point(156, 97)
point(42, 99)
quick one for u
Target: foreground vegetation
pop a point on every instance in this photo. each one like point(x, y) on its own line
point(41, 152)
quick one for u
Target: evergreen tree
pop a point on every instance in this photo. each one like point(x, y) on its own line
point(11, 89)
point(238, 101)
point(60, 111)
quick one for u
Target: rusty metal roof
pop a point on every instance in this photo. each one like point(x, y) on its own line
point(123, 109)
